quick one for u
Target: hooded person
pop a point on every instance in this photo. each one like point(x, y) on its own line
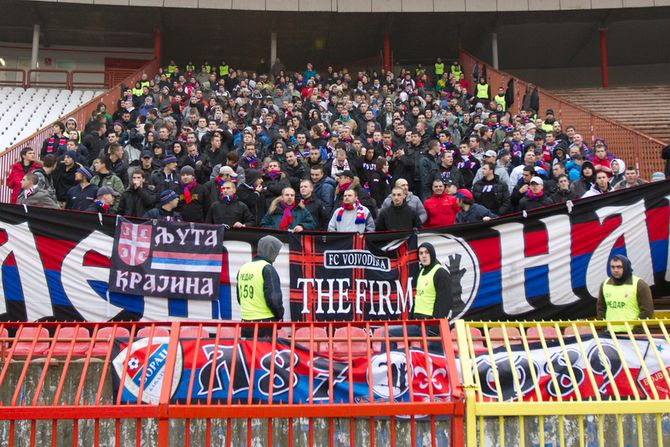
point(623, 296)
point(587, 177)
point(433, 298)
point(259, 287)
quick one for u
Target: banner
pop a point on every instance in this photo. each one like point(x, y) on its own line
point(166, 259)
point(140, 360)
point(553, 364)
point(547, 264)
point(337, 277)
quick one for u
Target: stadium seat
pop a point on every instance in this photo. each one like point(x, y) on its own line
point(377, 344)
point(582, 330)
point(104, 340)
point(282, 333)
point(533, 334)
point(64, 338)
point(158, 332)
point(27, 335)
point(497, 336)
point(228, 332)
point(193, 332)
point(320, 337)
point(341, 343)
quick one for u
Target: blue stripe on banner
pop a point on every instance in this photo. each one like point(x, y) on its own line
point(489, 293)
point(578, 269)
point(177, 307)
point(56, 291)
point(131, 303)
point(12, 283)
point(185, 261)
point(225, 306)
point(659, 255)
point(537, 281)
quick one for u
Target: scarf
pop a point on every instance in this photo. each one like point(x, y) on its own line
point(227, 199)
point(360, 212)
point(388, 150)
point(53, 144)
point(532, 195)
point(187, 190)
point(287, 216)
point(274, 175)
point(251, 161)
point(344, 186)
point(219, 181)
point(102, 205)
point(28, 192)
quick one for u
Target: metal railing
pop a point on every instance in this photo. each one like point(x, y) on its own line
point(566, 383)
point(634, 147)
point(81, 114)
point(188, 383)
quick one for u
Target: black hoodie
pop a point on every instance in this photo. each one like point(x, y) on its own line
point(441, 281)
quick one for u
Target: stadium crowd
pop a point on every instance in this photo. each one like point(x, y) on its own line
point(332, 150)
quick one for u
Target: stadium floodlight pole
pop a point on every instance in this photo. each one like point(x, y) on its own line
point(494, 49)
point(36, 46)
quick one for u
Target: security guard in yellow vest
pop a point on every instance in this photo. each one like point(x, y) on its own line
point(456, 70)
point(171, 68)
point(433, 295)
point(482, 90)
point(499, 99)
point(624, 296)
point(224, 69)
point(439, 68)
point(190, 67)
point(206, 67)
point(259, 287)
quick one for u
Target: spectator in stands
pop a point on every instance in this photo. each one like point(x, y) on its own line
point(51, 144)
point(166, 210)
point(563, 193)
point(229, 210)
point(294, 170)
point(586, 180)
point(324, 187)
point(380, 180)
point(491, 191)
point(80, 196)
point(95, 141)
point(618, 170)
point(285, 214)
point(347, 180)
point(500, 170)
point(528, 172)
point(314, 205)
point(600, 161)
point(623, 296)
point(398, 216)
point(192, 196)
point(22, 167)
point(428, 169)
point(601, 185)
point(104, 202)
point(45, 175)
point(117, 164)
point(448, 171)
point(631, 179)
point(535, 196)
point(31, 194)
point(351, 215)
point(467, 164)
point(80, 150)
point(470, 211)
point(251, 193)
point(137, 199)
point(411, 199)
point(105, 177)
point(441, 208)
point(167, 178)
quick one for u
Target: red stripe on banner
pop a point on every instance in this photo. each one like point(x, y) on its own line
point(53, 251)
point(195, 256)
point(488, 253)
point(587, 236)
point(536, 243)
point(224, 277)
point(657, 223)
point(95, 259)
point(10, 261)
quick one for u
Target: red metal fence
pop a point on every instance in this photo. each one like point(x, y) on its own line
point(634, 147)
point(56, 385)
point(81, 114)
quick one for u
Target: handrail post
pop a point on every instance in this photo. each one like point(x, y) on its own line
point(166, 389)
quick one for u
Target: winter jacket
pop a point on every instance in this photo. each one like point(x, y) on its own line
point(528, 202)
point(441, 210)
point(46, 182)
point(324, 189)
point(380, 186)
point(493, 194)
point(136, 202)
point(413, 202)
point(79, 199)
point(428, 171)
point(318, 211)
point(300, 214)
point(38, 197)
point(397, 218)
point(228, 213)
point(15, 176)
point(363, 197)
point(476, 213)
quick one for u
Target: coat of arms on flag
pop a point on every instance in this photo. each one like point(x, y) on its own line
point(134, 243)
point(167, 259)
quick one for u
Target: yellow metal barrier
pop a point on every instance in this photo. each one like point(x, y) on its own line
point(566, 383)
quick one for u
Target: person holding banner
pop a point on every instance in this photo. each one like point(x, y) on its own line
point(259, 288)
point(623, 296)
